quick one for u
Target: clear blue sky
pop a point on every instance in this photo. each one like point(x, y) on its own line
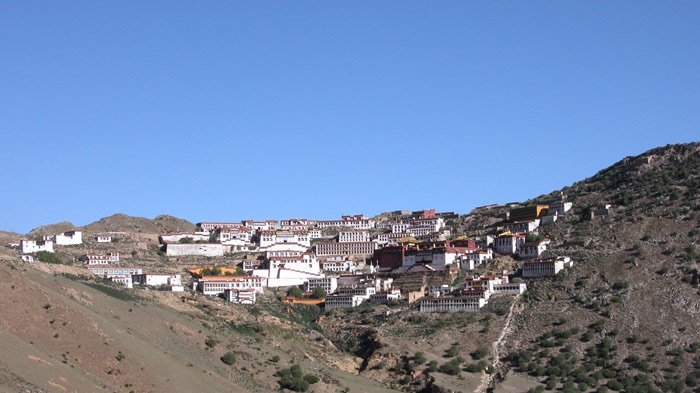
point(233, 110)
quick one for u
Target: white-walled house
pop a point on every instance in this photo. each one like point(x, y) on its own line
point(103, 239)
point(202, 249)
point(70, 238)
point(350, 248)
point(544, 267)
point(100, 259)
point(156, 280)
point(339, 266)
point(328, 284)
point(358, 221)
point(353, 236)
point(559, 208)
point(114, 271)
point(240, 296)
point(532, 250)
point(176, 237)
point(452, 304)
point(271, 238)
point(508, 243)
point(216, 285)
point(32, 246)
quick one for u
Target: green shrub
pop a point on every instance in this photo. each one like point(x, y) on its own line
point(311, 379)
point(48, 257)
point(318, 293)
point(294, 292)
point(211, 342)
point(450, 368)
point(452, 352)
point(432, 366)
point(229, 358)
point(419, 358)
point(479, 353)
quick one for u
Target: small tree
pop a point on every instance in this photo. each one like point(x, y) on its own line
point(419, 358)
point(432, 366)
point(318, 293)
point(229, 358)
point(479, 353)
point(294, 292)
point(186, 240)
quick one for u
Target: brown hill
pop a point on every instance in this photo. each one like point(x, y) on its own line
point(125, 223)
point(122, 223)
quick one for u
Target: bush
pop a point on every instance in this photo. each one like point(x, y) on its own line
point(318, 293)
point(211, 342)
point(479, 353)
point(292, 379)
point(229, 358)
point(615, 385)
point(419, 358)
point(452, 352)
point(311, 379)
point(433, 366)
point(294, 292)
point(450, 368)
point(48, 257)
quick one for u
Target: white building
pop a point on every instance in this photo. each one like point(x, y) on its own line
point(240, 296)
point(532, 250)
point(266, 225)
point(420, 230)
point(272, 237)
point(122, 280)
point(100, 259)
point(354, 248)
point(70, 238)
point(31, 246)
point(452, 304)
point(358, 221)
point(399, 227)
point(509, 288)
point(343, 301)
point(103, 239)
point(339, 266)
point(157, 280)
point(212, 226)
point(27, 258)
point(328, 284)
point(353, 236)
point(359, 290)
point(559, 208)
point(434, 223)
point(315, 233)
point(508, 243)
point(304, 263)
point(201, 249)
point(193, 236)
point(242, 234)
point(393, 237)
point(524, 226)
point(543, 267)
point(114, 271)
point(442, 256)
point(385, 297)
point(212, 286)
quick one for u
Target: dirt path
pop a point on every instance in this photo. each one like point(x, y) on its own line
point(486, 378)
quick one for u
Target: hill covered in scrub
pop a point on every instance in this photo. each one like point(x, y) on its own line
point(625, 317)
point(122, 223)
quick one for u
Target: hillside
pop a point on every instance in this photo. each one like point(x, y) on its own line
point(626, 317)
point(123, 223)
